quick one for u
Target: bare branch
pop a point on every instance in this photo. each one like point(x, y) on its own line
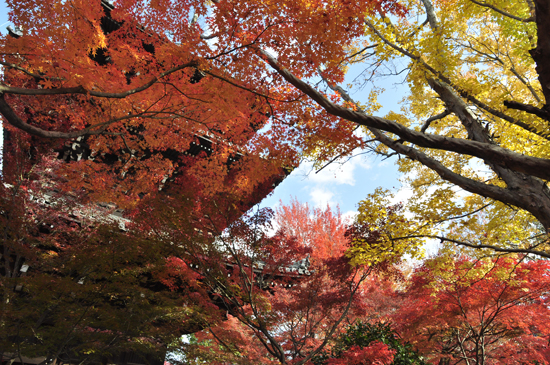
point(526, 83)
point(430, 12)
point(246, 88)
point(362, 50)
point(463, 215)
point(210, 36)
point(341, 155)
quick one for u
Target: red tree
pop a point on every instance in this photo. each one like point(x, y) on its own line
point(478, 312)
point(377, 353)
point(138, 83)
point(287, 299)
point(322, 229)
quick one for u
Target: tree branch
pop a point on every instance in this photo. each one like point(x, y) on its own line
point(19, 68)
point(541, 54)
point(12, 118)
point(463, 215)
point(344, 314)
point(528, 108)
point(502, 12)
point(534, 166)
point(434, 118)
point(81, 90)
point(531, 8)
point(526, 83)
point(246, 88)
point(461, 92)
point(430, 12)
point(515, 194)
point(479, 246)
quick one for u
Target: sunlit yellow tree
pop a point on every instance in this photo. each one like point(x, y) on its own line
point(474, 126)
point(473, 78)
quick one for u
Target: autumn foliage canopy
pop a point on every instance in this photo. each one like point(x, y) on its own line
point(139, 83)
point(185, 113)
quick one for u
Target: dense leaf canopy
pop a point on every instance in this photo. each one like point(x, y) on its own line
point(208, 101)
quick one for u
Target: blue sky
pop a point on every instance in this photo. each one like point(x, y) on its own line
point(3, 17)
point(344, 183)
point(339, 184)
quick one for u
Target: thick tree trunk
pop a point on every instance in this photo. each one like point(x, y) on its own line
point(522, 190)
point(541, 54)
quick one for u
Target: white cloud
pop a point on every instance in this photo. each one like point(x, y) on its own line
point(349, 216)
point(321, 197)
point(385, 162)
point(334, 173)
point(432, 247)
point(402, 195)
